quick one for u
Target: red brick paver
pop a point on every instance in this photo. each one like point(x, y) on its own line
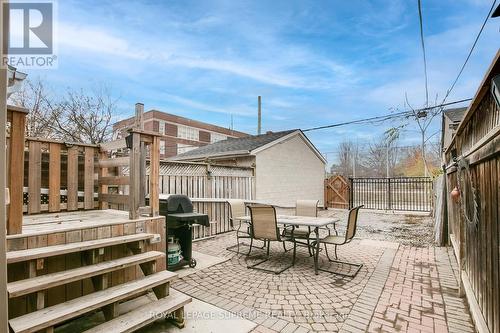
point(413, 299)
point(411, 289)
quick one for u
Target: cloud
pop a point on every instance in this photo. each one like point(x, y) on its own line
point(239, 68)
point(272, 62)
point(240, 110)
point(314, 63)
point(96, 40)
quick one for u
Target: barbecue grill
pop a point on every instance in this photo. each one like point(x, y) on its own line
point(178, 210)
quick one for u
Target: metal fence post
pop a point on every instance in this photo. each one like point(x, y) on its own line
point(351, 193)
point(389, 201)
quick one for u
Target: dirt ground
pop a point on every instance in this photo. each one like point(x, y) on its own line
point(413, 229)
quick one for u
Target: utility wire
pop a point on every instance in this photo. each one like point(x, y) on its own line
point(385, 117)
point(470, 52)
point(423, 51)
point(368, 149)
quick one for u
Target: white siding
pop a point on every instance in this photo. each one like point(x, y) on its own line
point(289, 171)
point(247, 161)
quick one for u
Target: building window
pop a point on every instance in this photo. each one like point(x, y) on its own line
point(161, 128)
point(188, 133)
point(214, 137)
point(162, 147)
point(181, 148)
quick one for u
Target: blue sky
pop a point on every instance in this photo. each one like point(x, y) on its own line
point(313, 62)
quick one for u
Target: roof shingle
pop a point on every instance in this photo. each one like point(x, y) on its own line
point(455, 114)
point(233, 145)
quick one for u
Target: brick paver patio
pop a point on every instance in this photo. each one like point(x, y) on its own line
point(409, 289)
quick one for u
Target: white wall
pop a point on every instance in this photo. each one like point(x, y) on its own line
point(289, 171)
point(245, 161)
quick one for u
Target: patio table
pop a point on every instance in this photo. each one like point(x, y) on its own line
point(314, 223)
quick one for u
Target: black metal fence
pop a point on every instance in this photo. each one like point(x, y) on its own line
point(401, 193)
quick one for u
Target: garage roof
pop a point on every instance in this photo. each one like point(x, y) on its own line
point(233, 146)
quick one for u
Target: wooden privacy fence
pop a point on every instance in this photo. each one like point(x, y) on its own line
point(205, 184)
point(399, 193)
point(473, 166)
point(336, 192)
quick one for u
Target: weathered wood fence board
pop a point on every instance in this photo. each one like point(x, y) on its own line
point(473, 166)
point(336, 192)
point(15, 167)
point(199, 180)
point(60, 176)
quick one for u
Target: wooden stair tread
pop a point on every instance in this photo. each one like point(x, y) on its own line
point(27, 286)
point(49, 251)
point(143, 315)
point(59, 313)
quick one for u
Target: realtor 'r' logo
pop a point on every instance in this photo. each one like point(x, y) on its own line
point(30, 26)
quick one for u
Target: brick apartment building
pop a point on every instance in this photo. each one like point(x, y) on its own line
point(180, 134)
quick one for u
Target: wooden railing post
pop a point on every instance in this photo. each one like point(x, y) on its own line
point(154, 177)
point(54, 177)
point(15, 166)
point(135, 177)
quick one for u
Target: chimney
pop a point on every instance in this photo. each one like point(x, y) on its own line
point(139, 116)
point(259, 124)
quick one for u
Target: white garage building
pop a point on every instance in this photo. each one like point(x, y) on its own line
point(287, 165)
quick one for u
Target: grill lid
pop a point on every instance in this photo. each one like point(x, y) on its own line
point(178, 203)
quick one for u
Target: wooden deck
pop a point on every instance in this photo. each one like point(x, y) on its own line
point(85, 252)
point(40, 224)
point(65, 259)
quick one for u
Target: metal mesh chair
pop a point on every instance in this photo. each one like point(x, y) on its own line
point(337, 240)
point(237, 208)
point(264, 226)
point(302, 208)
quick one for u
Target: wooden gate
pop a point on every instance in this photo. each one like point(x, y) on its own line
point(336, 192)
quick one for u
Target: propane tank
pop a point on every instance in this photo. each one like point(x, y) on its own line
point(174, 251)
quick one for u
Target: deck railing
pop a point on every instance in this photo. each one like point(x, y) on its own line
point(129, 190)
point(46, 175)
point(60, 176)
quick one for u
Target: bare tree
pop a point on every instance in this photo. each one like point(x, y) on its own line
point(83, 117)
point(347, 156)
point(77, 116)
point(423, 118)
point(34, 96)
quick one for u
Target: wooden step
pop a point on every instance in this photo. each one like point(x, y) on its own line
point(50, 251)
point(48, 317)
point(28, 286)
point(144, 315)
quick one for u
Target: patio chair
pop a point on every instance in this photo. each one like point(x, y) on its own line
point(237, 208)
point(264, 226)
point(303, 208)
point(337, 240)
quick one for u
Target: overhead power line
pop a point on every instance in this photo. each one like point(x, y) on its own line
point(423, 51)
point(470, 52)
point(367, 149)
point(385, 117)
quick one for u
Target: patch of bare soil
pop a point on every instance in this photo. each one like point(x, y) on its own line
point(412, 230)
